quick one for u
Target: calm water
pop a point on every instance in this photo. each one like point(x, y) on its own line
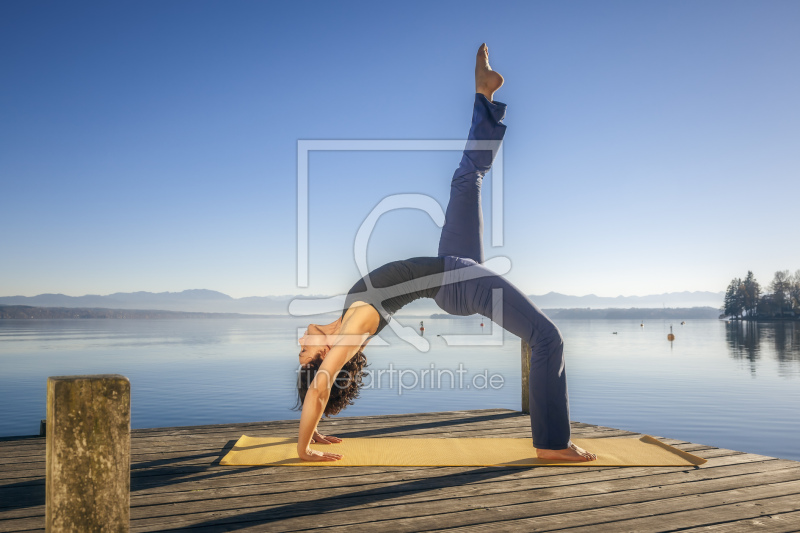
point(729, 385)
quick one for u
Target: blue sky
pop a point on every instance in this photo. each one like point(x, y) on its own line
point(651, 146)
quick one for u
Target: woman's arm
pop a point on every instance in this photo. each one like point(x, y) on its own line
point(348, 343)
point(313, 406)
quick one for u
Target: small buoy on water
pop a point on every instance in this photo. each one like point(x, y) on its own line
point(614, 333)
point(641, 325)
point(670, 337)
point(683, 323)
point(421, 327)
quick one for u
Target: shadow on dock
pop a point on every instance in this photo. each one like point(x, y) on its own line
point(178, 484)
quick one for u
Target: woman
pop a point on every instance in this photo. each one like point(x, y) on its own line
point(332, 356)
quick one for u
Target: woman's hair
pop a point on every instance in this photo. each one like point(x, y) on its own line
point(345, 387)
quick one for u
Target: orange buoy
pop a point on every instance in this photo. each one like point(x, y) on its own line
point(670, 337)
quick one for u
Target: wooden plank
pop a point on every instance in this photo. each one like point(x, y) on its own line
point(774, 522)
point(748, 511)
point(417, 501)
point(21, 525)
point(525, 373)
point(596, 513)
point(711, 514)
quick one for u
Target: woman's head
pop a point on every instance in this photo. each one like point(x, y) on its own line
point(346, 384)
point(313, 345)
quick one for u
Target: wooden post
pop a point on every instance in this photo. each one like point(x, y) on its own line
point(88, 453)
point(526, 372)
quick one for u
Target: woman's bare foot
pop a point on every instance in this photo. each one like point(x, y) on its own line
point(573, 453)
point(487, 81)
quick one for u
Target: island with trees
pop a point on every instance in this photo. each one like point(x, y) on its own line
point(746, 300)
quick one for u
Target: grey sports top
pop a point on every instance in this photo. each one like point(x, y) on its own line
point(397, 284)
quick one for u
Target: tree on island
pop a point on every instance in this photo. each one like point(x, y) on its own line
point(744, 300)
point(781, 285)
point(751, 293)
point(794, 292)
point(734, 299)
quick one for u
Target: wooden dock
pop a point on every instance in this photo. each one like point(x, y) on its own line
point(177, 484)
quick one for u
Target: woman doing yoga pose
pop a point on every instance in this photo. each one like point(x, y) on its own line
point(332, 355)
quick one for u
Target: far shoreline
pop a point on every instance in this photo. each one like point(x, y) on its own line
point(762, 319)
point(28, 312)
point(25, 312)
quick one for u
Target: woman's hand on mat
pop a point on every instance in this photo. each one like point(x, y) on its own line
point(315, 455)
point(319, 438)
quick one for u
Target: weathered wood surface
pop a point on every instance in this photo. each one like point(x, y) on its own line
point(177, 484)
point(88, 453)
point(525, 357)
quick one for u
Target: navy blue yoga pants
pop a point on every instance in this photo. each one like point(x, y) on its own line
point(467, 286)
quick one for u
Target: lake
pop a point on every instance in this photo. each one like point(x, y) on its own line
point(724, 384)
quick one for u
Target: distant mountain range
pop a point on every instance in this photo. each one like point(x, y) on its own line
point(28, 312)
point(554, 300)
point(207, 301)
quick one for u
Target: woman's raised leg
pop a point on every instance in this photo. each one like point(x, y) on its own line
point(462, 233)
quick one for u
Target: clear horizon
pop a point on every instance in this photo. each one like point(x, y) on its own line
point(651, 147)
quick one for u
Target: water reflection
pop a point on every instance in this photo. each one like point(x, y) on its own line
point(754, 341)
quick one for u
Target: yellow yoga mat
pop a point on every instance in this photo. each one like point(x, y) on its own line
point(614, 451)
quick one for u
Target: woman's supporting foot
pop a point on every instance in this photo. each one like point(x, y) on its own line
point(573, 453)
point(487, 81)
